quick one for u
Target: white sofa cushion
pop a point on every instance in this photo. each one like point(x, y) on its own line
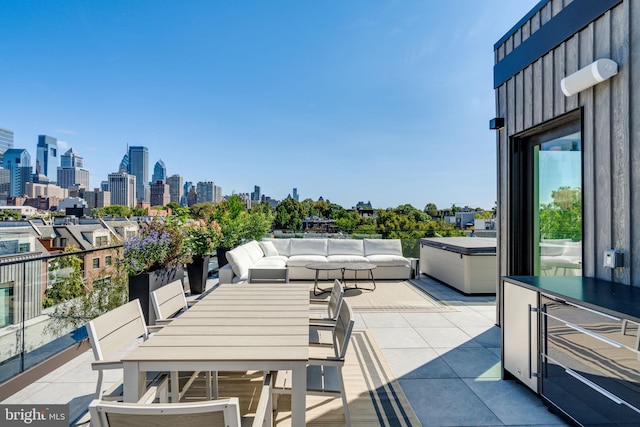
point(254, 250)
point(345, 247)
point(346, 258)
point(388, 260)
point(308, 247)
point(304, 260)
point(268, 248)
point(281, 245)
point(239, 260)
point(271, 262)
point(382, 247)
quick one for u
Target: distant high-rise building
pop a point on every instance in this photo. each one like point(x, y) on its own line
point(295, 195)
point(255, 195)
point(139, 167)
point(5, 183)
point(18, 162)
point(47, 157)
point(160, 193)
point(192, 196)
point(186, 187)
point(124, 163)
point(97, 198)
point(69, 177)
point(71, 159)
point(205, 191)
point(123, 189)
point(6, 141)
point(175, 188)
point(159, 172)
point(104, 185)
point(217, 194)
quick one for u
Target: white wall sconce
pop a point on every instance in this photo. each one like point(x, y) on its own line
point(591, 75)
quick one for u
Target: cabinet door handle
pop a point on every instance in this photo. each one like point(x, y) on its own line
point(596, 336)
point(594, 386)
point(529, 337)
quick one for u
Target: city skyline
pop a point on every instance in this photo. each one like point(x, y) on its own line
point(379, 101)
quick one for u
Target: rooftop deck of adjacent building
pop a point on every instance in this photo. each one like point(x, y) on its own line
point(447, 364)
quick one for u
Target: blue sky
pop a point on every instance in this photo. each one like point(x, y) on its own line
point(381, 101)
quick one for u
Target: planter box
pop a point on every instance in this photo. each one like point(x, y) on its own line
point(142, 285)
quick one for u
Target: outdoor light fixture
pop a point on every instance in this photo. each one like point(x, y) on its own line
point(591, 75)
point(496, 123)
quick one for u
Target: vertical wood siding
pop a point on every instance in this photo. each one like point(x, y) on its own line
point(611, 130)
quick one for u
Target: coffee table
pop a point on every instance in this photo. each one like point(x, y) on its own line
point(342, 266)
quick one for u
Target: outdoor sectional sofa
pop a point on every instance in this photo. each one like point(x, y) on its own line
point(296, 254)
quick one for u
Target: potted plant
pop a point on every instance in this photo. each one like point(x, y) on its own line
point(201, 239)
point(237, 225)
point(154, 258)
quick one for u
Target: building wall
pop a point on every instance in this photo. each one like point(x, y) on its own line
point(610, 135)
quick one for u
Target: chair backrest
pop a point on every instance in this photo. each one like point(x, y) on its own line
point(168, 300)
point(335, 299)
point(223, 413)
point(111, 332)
point(342, 331)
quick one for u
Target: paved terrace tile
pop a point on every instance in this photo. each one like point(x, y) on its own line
point(448, 365)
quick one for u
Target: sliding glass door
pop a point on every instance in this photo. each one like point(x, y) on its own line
point(546, 209)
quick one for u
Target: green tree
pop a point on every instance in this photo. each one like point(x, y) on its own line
point(431, 209)
point(66, 272)
point(289, 215)
point(562, 218)
point(112, 210)
point(8, 213)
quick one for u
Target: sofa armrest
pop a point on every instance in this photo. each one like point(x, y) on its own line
point(225, 274)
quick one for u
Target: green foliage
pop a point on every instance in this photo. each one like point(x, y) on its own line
point(431, 209)
point(562, 218)
point(107, 293)
point(289, 215)
point(202, 236)
point(112, 210)
point(66, 271)
point(239, 225)
point(8, 213)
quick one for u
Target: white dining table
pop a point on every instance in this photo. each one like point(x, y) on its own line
point(261, 326)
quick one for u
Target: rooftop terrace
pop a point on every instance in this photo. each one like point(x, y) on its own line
point(445, 361)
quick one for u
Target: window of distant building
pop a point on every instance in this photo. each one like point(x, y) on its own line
point(96, 263)
point(6, 304)
point(24, 247)
point(107, 261)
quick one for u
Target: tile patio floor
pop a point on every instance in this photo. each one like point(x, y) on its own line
point(448, 365)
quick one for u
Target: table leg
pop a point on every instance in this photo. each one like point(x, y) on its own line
point(299, 394)
point(134, 382)
point(316, 290)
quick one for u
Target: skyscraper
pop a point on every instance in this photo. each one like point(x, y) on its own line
point(139, 167)
point(18, 162)
point(6, 141)
point(123, 189)
point(71, 173)
point(175, 188)
point(160, 193)
point(205, 191)
point(71, 159)
point(295, 195)
point(47, 157)
point(159, 172)
point(255, 195)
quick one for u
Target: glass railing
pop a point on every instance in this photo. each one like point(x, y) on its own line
point(41, 303)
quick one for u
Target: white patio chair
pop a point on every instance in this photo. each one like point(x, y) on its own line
point(320, 331)
point(110, 335)
point(223, 413)
point(324, 369)
point(169, 302)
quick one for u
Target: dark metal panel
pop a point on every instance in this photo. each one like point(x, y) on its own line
point(565, 24)
point(620, 172)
